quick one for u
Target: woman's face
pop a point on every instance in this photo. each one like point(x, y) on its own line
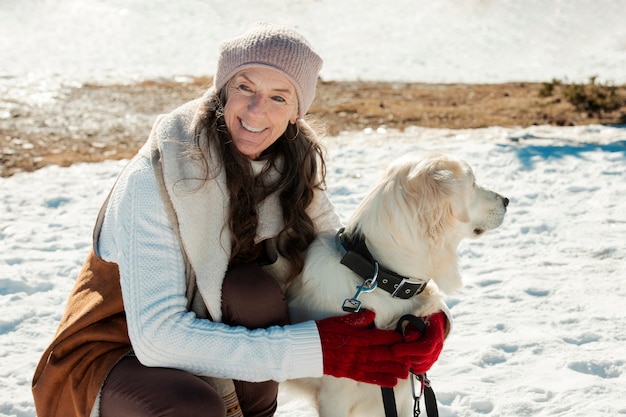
point(260, 103)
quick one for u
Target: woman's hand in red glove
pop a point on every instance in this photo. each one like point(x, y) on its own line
point(422, 349)
point(353, 349)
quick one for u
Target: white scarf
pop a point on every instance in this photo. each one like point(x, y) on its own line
point(201, 207)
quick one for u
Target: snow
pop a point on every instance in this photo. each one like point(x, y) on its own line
point(540, 327)
point(478, 41)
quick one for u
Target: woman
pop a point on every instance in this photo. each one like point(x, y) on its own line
point(175, 312)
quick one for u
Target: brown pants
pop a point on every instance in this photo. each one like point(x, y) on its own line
point(250, 298)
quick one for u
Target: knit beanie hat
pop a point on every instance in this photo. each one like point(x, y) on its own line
point(272, 46)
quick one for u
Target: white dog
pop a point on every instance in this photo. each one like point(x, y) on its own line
point(411, 224)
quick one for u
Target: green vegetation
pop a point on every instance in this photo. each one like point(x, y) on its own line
point(593, 97)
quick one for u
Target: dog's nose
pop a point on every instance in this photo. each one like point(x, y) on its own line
point(505, 201)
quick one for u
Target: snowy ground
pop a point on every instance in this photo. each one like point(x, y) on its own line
point(540, 326)
point(43, 42)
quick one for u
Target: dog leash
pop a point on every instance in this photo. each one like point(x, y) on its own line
point(420, 381)
point(425, 390)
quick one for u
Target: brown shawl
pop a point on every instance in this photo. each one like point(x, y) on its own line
point(92, 337)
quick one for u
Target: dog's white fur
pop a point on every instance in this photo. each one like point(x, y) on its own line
point(413, 221)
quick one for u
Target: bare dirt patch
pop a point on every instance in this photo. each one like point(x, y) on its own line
point(93, 123)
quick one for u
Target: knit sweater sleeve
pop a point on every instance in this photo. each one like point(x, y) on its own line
point(137, 235)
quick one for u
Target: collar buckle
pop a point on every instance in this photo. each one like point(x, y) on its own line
point(407, 289)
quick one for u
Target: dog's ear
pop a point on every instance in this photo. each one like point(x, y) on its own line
point(436, 189)
point(465, 187)
point(459, 204)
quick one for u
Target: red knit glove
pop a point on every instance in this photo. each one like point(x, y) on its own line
point(352, 349)
point(422, 350)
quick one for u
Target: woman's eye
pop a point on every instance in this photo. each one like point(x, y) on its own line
point(244, 87)
point(278, 99)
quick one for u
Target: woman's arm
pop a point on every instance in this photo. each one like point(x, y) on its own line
point(137, 235)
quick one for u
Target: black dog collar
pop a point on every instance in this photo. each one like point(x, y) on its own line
point(358, 258)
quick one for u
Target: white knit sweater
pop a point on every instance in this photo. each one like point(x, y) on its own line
point(138, 237)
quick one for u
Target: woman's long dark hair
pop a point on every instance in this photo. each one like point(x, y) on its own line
point(296, 155)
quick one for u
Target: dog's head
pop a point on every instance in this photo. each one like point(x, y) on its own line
point(446, 197)
point(424, 205)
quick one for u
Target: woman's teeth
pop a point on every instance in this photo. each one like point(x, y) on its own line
point(252, 129)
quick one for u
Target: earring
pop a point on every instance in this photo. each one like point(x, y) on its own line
point(294, 136)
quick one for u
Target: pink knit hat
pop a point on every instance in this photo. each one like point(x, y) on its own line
point(276, 47)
